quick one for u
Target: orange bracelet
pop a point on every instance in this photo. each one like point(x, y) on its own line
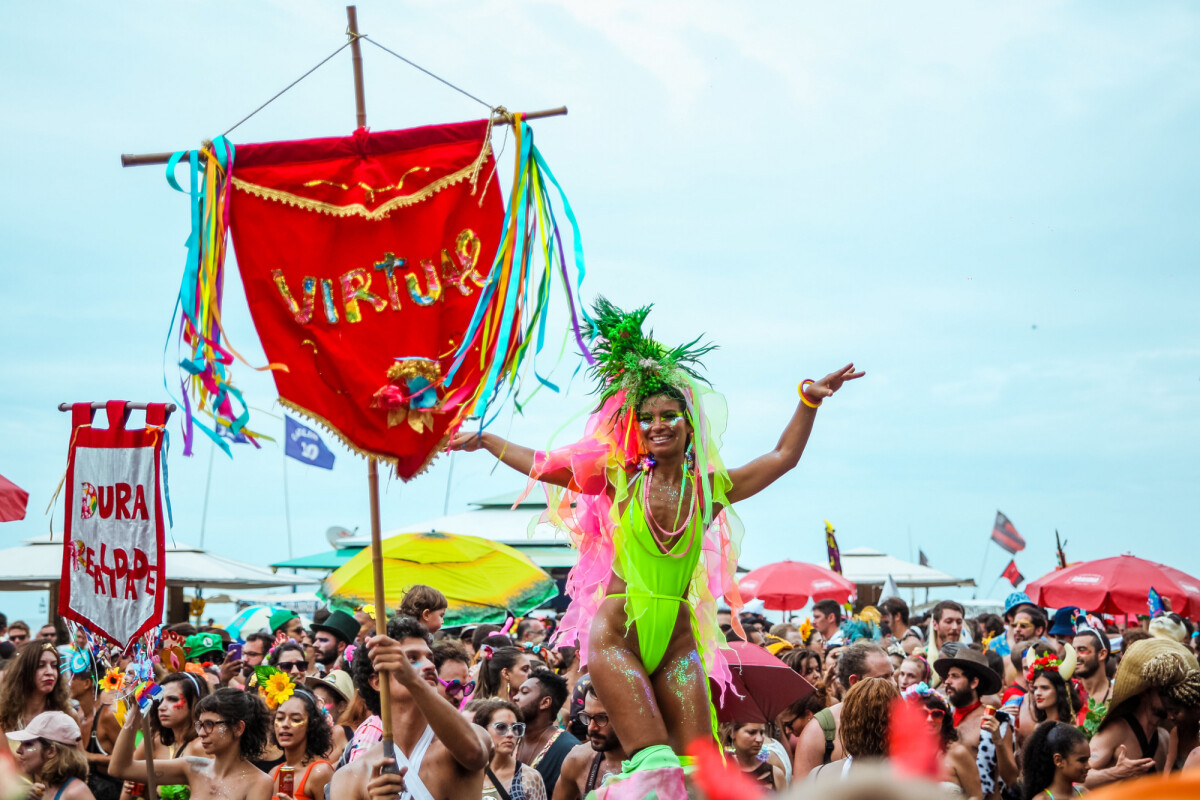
point(804, 398)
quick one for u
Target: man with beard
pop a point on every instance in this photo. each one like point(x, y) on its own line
point(1091, 650)
point(948, 621)
point(588, 764)
point(1131, 740)
point(967, 678)
point(331, 637)
point(819, 743)
point(545, 745)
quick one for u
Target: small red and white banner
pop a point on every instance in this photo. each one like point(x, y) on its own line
point(113, 569)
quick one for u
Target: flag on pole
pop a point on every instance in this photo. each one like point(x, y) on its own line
point(303, 444)
point(831, 546)
point(922, 559)
point(1062, 554)
point(1156, 604)
point(1004, 533)
point(1013, 574)
point(890, 589)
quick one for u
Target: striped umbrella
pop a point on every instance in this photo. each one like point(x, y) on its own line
point(483, 581)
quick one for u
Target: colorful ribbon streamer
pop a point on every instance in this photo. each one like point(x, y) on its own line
point(504, 323)
point(206, 369)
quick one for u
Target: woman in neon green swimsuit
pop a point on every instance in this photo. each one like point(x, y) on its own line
point(647, 502)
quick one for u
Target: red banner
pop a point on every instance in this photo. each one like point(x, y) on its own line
point(362, 259)
point(1013, 574)
point(1004, 533)
point(113, 568)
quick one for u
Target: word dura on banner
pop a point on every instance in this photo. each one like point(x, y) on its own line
point(113, 566)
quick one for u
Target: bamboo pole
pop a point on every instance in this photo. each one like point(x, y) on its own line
point(360, 92)
point(499, 118)
point(148, 739)
point(385, 678)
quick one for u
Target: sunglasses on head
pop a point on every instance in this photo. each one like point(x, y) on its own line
point(457, 687)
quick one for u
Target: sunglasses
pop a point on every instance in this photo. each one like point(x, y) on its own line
point(457, 687)
point(20, 637)
point(587, 719)
point(293, 666)
point(1025, 626)
point(503, 728)
point(934, 715)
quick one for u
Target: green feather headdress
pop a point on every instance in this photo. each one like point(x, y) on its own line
point(630, 360)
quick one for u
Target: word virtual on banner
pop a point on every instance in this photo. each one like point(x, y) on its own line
point(113, 569)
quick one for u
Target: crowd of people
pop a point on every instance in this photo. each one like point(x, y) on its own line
point(1024, 705)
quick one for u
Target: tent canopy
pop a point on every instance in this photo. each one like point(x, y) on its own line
point(37, 563)
point(864, 565)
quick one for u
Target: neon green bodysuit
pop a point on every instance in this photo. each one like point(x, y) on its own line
point(656, 582)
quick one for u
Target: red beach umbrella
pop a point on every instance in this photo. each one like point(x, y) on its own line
point(1118, 585)
point(767, 685)
point(786, 585)
point(12, 501)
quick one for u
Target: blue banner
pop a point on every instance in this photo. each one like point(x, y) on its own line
point(303, 444)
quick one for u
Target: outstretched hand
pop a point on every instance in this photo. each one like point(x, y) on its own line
point(467, 441)
point(819, 390)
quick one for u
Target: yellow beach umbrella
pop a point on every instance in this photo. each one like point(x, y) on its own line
point(482, 580)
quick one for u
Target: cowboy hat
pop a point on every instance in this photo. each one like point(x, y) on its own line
point(974, 663)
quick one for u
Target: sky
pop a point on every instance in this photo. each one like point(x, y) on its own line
point(988, 207)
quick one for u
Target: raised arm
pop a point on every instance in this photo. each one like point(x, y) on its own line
point(469, 744)
point(514, 455)
point(752, 478)
point(122, 765)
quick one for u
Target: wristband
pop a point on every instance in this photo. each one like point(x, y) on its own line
point(804, 398)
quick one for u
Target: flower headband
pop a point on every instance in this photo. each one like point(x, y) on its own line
point(917, 691)
point(1064, 666)
point(274, 685)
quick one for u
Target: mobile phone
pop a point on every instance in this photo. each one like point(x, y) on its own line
point(234, 651)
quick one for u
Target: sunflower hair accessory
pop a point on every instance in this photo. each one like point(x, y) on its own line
point(273, 684)
point(113, 680)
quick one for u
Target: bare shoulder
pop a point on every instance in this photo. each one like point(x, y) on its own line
point(348, 782)
point(78, 790)
point(580, 756)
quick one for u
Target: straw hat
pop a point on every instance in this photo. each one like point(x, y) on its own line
point(1153, 664)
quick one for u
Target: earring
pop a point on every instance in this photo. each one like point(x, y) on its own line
point(690, 457)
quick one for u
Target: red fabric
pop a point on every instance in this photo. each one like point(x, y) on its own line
point(114, 565)
point(338, 354)
point(913, 747)
point(13, 500)
point(763, 686)
point(1012, 574)
point(1116, 585)
point(962, 713)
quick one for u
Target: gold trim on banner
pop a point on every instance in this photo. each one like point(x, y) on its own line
point(358, 209)
point(382, 457)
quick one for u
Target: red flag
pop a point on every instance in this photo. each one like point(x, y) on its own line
point(12, 501)
point(1013, 574)
point(113, 570)
point(1004, 533)
point(363, 260)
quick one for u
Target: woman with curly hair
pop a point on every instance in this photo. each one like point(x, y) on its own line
point(958, 768)
point(1053, 697)
point(173, 728)
point(49, 755)
point(1055, 760)
point(32, 684)
point(232, 725)
point(302, 730)
point(863, 729)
